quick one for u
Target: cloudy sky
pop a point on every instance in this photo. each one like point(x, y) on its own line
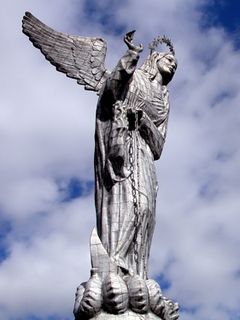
point(46, 164)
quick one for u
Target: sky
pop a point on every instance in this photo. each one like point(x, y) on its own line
point(47, 144)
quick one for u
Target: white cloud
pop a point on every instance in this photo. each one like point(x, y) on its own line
point(46, 133)
point(47, 261)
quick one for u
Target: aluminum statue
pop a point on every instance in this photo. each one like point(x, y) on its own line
point(131, 126)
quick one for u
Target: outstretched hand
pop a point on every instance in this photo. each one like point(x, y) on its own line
point(128, 38)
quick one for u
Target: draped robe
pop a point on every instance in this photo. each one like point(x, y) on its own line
point(131, 121)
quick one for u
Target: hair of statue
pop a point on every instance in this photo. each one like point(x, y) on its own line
point(160, 40)
point(150, 64)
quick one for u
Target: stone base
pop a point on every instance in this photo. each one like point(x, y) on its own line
point(128, 315)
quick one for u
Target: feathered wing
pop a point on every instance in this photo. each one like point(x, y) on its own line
point(80, 58)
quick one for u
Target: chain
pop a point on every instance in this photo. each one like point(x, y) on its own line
point(135, 199)
point(140, 213)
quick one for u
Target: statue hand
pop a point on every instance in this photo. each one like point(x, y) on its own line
point(128, 40)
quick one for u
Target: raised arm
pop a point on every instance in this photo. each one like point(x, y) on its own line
point(118, 80)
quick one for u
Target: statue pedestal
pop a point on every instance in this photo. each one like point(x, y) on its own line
point(128, 315)
point(110, 294)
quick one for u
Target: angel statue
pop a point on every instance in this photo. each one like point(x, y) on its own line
point(131, 125)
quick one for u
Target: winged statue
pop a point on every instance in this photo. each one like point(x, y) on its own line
point(131, 127)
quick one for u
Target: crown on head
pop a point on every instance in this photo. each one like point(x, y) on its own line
point(160, 40)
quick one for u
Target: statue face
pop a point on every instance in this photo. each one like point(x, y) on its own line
point(167, 65)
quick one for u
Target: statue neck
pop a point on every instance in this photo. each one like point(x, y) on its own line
point(158, 78)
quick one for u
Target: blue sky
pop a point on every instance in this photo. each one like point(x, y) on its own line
point(47, 141)
point(223, 14)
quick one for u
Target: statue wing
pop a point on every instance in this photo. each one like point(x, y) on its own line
point(80, 58)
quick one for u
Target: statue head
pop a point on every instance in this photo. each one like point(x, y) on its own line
point(163, 63)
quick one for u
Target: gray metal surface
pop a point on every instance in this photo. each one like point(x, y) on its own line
point(131, 126)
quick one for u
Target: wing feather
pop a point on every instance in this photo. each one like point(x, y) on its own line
point(80, 58)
